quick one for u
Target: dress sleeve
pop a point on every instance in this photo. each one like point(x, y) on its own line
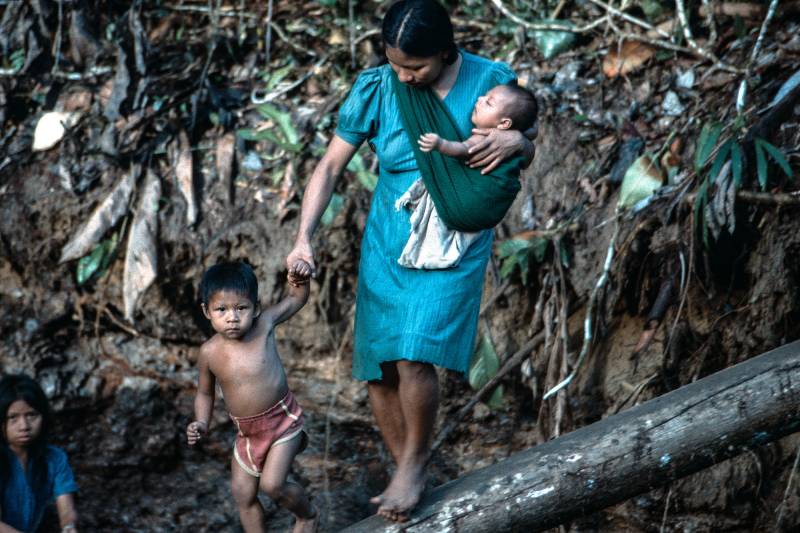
point(358, 116)
point(61, 473)
point(502, 74)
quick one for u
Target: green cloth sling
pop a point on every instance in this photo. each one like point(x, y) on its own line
point(465, 199)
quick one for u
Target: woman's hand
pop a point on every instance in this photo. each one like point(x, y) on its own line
point(302, 252)
point(496, 147)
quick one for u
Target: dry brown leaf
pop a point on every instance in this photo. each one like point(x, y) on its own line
point(141, 258)
point(287, 191)
point(623, 60)
point(104, 217)
point(226, 147)
point(182, 161)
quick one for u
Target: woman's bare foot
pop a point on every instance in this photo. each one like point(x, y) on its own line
point(306, 525)
point(403, 493)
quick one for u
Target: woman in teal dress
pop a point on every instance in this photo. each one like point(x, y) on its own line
point(408, 320)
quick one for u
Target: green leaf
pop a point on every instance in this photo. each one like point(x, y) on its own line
point(495, 401)
point(97, 261)
point(736, 164)
point(508, 266)
point(563, 254)
point(761, 164)
point(335, 205)
point(368, 179)
point(539, 248)
point(700, 202)
point(273, 78)
point(483, 367)
point(512, 246)
point(722, 155)
point(282, 119)
point(706, 143)
point(552, 42)
point(777, 156)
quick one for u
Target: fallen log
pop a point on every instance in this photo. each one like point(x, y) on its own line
point(607, 462)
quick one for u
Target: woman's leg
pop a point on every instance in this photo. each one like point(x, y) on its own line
point(418, 393)
point(384, 398)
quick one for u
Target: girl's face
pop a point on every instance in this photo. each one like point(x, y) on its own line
point(23, 425)
point(415, 71)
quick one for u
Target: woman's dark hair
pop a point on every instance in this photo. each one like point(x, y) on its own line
point(236, 277)
point(420, 28)
point(12, 389)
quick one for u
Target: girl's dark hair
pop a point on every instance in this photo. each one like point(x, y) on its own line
point(420, 28)
point(237, 277)
point(12, 389)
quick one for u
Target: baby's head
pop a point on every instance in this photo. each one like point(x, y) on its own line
point(505, 107)
point(229, 298)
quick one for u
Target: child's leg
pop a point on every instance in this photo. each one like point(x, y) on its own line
point(245, 492)
point(286, 493)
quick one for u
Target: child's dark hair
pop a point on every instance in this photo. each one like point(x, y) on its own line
point(420, 28)
point(237, 277)
point(20, 387)
point(524, 109)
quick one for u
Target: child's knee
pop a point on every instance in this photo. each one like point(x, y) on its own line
point(272, 488)
point(244, 493)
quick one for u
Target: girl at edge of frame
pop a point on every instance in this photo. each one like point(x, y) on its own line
point(32, 473)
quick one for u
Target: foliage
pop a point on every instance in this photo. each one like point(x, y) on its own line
point(483, 367)
point(517, 252)
point(365, 176)
point(286, 136)
point(729, 150)
point(98, 261)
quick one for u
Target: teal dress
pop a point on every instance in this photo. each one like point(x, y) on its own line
point(401, 313)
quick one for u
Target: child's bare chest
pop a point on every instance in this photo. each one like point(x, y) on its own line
point(246, 362)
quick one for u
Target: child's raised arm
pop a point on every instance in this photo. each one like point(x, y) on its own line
point(296, 297)
point(203, 401)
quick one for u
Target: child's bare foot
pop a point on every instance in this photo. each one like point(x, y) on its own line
point(403, 493)
point(306, 525)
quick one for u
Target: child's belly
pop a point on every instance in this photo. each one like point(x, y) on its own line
point(251, 390)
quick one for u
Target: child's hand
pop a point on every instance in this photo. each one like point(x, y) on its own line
point(299, 273)
point(196, 431)
point(429, 141)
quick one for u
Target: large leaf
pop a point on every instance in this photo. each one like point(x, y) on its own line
point(483, 367)
point(141, 257)
point(97, 261)
point(640, 181)
point(736, 164)
point(761, 165)
point(184, 174)
point(709, 136)
point(552, 42)
point(104, 217)
point(282, 119)
point(722, 156)
point(777, 156)
point(334, 206)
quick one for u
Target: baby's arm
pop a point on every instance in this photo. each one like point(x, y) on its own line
point(203, 401)
point(296, 296)
point(431, 141)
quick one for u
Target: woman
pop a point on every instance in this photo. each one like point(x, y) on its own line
point(408, 320)
point(31, 472)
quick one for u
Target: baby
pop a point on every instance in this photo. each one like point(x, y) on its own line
point(243, 358)
point(431, 244)
point(504, 107)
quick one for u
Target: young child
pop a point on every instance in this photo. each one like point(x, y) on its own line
point(431, 244)
point(32, 473)
point(504, 107)
point(243, 358)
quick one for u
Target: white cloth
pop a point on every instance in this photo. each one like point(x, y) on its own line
point(431, 245)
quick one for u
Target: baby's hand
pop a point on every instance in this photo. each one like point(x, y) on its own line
point(196, 431)
point(300, 273)
point(429, 141)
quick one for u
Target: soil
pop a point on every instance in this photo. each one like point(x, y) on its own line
point(123, 389)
